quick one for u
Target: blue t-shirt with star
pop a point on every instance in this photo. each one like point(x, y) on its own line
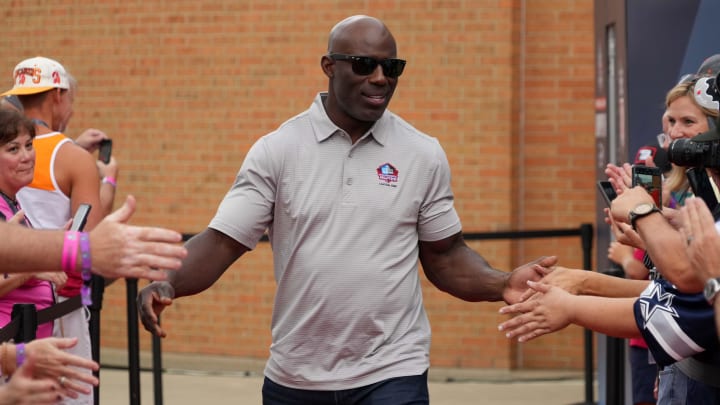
point(676, 325)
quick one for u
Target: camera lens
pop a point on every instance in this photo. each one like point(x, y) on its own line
point(686, 153)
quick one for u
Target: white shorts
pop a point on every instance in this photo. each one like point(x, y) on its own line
point(75, 324)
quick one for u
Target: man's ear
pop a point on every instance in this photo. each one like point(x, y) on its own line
point(56, 95)
point(328, 66)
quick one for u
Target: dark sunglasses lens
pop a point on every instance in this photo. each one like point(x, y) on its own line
point(393, 67)
point(364, 66)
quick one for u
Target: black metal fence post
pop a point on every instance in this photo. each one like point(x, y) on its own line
point(27, 314)
point(133, 341)
point(157, 368)
point(586, 235)
point(98, 288)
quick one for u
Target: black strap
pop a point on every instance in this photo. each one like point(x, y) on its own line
point(49, 314)
point(708, 374)
point(59, 310)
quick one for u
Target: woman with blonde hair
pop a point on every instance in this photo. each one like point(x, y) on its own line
point(691, 108)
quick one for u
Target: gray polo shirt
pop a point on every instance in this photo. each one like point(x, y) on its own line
point(344, 223)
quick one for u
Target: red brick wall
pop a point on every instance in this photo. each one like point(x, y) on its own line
point(185, 87)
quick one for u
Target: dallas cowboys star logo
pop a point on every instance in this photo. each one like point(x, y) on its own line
point(656, 299)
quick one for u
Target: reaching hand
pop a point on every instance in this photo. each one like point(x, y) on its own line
point(620, 253)
point(53, 362)
point(545, 313)
point(90, 139)
point(702, 239)
point(24, 389)
point(58, 278)
point(517, 282)
point(151, 301)
point(108, 169)
point(619, 176)
point(623, 232)
point(120, 250)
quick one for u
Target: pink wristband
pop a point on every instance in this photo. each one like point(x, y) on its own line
point(70, 250)
point(110, 180)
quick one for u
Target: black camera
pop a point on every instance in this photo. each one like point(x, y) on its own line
point(686, 153)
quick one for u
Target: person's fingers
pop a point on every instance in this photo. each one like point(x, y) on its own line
point(43, 392)
point(528, 294)
point(523, 328)
point(686, 229)
point(76, 361)
point(38, 391)
point(543, 270)
point(63, 343)
point(548, 261)
point(17, 218)
point(535, 333)
point(148, 303)
point(72, 387)
point(154, 234)
point(123, 213)
point(518, 308)
point(701, 218)
point(539, 287)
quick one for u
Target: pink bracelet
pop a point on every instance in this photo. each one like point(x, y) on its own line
point(70, 250)
point(110, 180)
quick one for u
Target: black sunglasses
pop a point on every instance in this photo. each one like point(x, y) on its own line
point(365, 65)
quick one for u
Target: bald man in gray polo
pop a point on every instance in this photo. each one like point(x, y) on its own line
point(344, 222)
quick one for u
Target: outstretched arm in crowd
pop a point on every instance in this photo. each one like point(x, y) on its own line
point(116, 249)
point(554, 309)
point(583, 282)
point(452, 266)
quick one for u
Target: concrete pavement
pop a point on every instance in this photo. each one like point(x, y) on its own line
point(191, 380)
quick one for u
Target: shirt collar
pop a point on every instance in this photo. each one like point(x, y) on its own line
point(325, 128)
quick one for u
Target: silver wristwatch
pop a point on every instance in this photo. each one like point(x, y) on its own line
point(712, 288)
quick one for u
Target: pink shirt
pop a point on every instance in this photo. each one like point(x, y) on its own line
point(34, 291)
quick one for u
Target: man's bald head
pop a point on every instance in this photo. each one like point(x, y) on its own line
point(355, 30)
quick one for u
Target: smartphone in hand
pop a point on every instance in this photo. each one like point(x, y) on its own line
point(80, 217)
point(606, 191)
point(651, 179)
point(105, 151)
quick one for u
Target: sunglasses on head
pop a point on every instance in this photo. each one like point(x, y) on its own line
point(365, 65)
